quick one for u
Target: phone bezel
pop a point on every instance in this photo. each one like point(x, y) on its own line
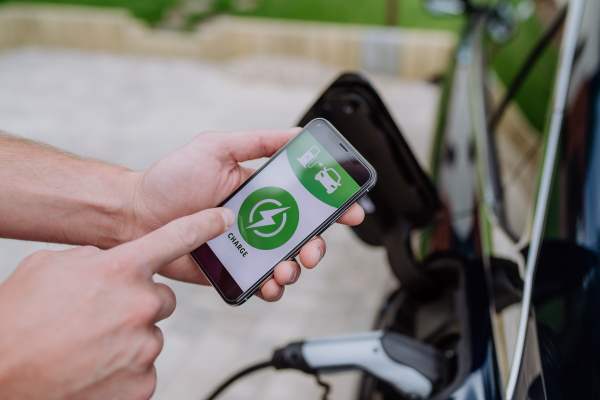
point(242, 298)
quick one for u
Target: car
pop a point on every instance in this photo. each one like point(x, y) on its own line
point(326, 179)
point(500, 237)
point(496, 249)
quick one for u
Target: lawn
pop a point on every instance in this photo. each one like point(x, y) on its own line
point(410, 14)
point(373, 12)
point(150, 11)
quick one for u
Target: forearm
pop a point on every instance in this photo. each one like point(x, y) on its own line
point(51, 196)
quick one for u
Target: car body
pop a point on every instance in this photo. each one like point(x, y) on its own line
point(522, 217)
point(496, 248)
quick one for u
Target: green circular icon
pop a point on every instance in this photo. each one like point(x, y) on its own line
point(268, 218)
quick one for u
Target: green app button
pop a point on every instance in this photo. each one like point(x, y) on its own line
point(268, 218)
point(318, 171)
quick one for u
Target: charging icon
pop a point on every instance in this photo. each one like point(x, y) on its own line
point(268, 218)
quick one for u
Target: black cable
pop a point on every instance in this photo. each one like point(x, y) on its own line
point(288, 357)
point(238, 376)
point(324, 385)
point(535, 54)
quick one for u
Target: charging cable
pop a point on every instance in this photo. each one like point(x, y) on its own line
point(412, 368)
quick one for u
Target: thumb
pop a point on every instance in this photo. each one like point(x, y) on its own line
point(179, 237)
point(249, 145)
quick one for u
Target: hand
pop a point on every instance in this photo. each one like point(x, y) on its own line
point(80, 323)
point(201, 175)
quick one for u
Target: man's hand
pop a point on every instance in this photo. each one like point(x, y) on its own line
point(80, 323)
point(50, 196)
point(201, 175)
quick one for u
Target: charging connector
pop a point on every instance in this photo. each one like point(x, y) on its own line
point(409, 366)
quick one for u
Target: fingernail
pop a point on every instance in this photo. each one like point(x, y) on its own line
point(228, 217)
point(321, 253)
point(278, 292)
point(293, 274)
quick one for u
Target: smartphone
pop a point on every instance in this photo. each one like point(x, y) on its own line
point(296, 195)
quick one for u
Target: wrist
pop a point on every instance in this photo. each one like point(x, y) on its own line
point(50, 196)
point(111, 210)
point(128, 223)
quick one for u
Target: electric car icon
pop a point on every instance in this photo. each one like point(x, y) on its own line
point(327, 180)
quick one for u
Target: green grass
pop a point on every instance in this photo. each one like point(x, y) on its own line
point(372, 12)
point(150, 11)
point(411, 13)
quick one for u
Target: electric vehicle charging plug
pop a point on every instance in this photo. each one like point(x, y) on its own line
point(412, 368)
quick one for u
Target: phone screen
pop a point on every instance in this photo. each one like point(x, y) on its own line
point(278, 208)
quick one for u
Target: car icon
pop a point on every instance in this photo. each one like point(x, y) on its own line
point(327, 180)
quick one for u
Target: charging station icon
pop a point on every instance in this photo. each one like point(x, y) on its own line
point(309, 158)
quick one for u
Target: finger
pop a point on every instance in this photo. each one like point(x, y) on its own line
point(353, 216)
point(130, 384)
point(168, 301)
point(158, 333)
point(174, 240)
point(149, 348)
point(250, 145)
point(184, 269)
point(146, 385)
point(258, 293)
point(271, 291)
point(286, 272)
point(313, 252)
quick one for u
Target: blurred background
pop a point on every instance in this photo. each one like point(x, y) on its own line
point(130, 81)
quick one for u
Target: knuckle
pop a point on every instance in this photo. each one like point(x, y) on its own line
point(40, 256)
point(148, 352)
point(147, 385)
point(37, 258)
point(170, 294)
point(147, 306)
point(186, 232)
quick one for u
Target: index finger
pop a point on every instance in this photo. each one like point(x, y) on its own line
point(258, 143)
point(174, 240)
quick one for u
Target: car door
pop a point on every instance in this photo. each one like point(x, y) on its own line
point(559, 326)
